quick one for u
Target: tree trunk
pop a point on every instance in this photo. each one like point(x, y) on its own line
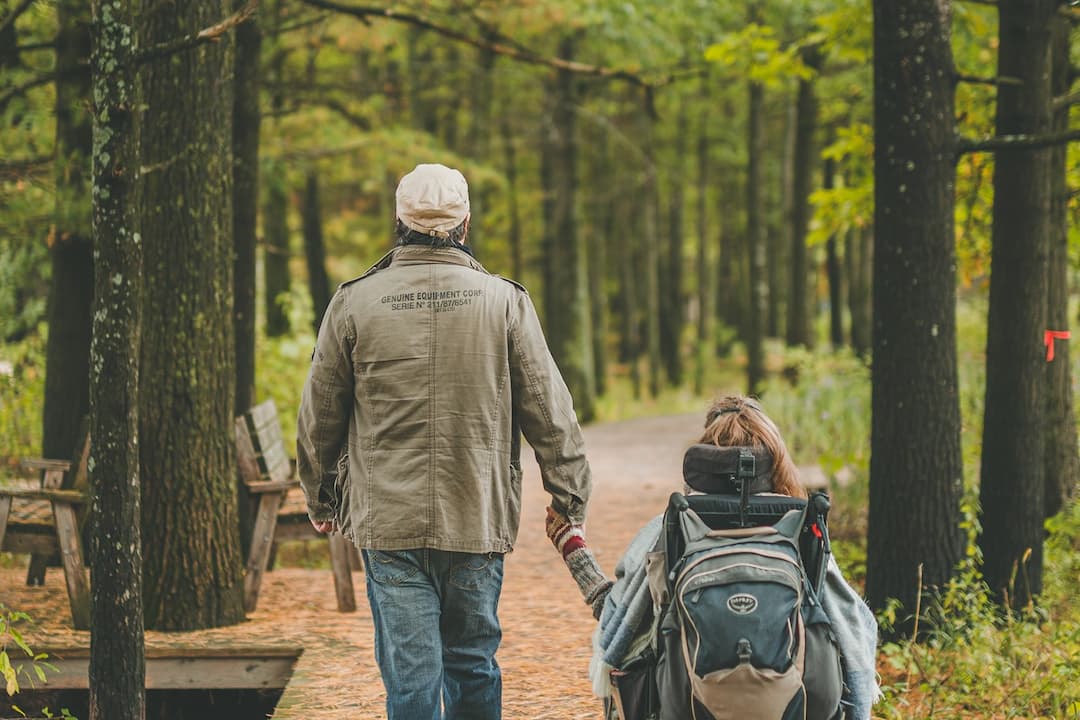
point(67, 373)
point(800, 304)
point(858, 259)
point(630, 315)
point(650, 243)
point(517, 258)
point(915, 466)
point(832, 267)
point(246, 122)
point(192, 568)
point(704, 232)
point(423, 109)
point(480, 131)
point(117, 669)
point(755, 235)
point(565, 292)
point(1014, 426)
point(314, 249)
point(601, 232)
point(779, 242)
point(276, 279)
point(1062, 461)
point(674, 311)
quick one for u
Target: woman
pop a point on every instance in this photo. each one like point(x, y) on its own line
point(624, 630)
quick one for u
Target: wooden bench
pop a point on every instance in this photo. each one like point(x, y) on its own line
point(27, 525)
point(270, 492)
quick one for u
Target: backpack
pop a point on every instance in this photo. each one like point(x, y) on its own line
point(737, 580)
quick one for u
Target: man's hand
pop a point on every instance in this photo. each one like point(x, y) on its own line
point(323, 528)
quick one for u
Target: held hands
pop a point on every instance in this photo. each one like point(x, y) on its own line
point(569, 540)
point(323, 528)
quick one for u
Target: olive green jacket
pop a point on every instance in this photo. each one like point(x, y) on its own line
point(419, 365)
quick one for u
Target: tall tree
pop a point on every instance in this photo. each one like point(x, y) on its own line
point(915, 462)
point(1014, 426)
point(566, 303)
point(276, 279)
point(72, 287)
point(799, 326)
point(246, 127)
point(674, 302)
point(117, 663)
point(314, 248)
point(832, 269)
point(67, 353)
point(1062, 462)
point(704, 232)
point(192, 568)
point(650, 244)
point(755, 238)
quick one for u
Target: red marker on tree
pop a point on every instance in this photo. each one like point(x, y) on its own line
point(1048, 339)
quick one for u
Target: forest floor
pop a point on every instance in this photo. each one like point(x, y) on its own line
point(547, 628)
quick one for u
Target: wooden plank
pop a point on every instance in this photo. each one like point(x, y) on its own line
point(78, 583)
point(43, 464)
point(295, 530)
point(277, 464)
point(339, 563)
point(71, 497)
point(26, 543)
point(259, 553)
point(270, 433)
point(268, 486)
point(262, 414)
point(186, 673)
point(246, 461)
point(356, 564)
point(5, 509)
point(79, 477)
point(177, 645)
point(52, 478)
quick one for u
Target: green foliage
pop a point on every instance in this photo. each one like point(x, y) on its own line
point(757, 53)
point(978, 662)
point(821, 403)
point(22, 393)
point(849, 204)
point(18, 663)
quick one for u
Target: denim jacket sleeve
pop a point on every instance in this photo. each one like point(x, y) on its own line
point(325, 409)
point(545, 410)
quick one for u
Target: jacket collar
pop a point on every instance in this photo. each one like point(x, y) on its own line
point(420, 254)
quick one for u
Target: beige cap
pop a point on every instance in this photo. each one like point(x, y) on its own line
point(433, 199)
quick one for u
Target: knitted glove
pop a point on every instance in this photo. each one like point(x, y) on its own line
point(569, 540)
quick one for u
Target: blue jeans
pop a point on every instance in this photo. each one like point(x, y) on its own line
point(436, 632)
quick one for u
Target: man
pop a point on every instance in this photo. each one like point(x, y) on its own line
point(422, 366)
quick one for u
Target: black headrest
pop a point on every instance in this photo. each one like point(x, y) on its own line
point(712, 469)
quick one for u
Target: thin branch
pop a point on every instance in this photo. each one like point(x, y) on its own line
point(1063, 101)
point(31, 47)
point(528, 56)
point(995, 81)
point(23, 88)
point(208, 34)
point(10, 19)
point(23, 166)
point(358, 121)
point(1015, 142)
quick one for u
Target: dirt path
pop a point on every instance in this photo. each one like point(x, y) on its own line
point(546, 627)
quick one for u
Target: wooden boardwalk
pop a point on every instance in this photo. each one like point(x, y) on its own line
point(546, 627)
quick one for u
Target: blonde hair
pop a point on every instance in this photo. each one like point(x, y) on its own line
point(739, 421)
